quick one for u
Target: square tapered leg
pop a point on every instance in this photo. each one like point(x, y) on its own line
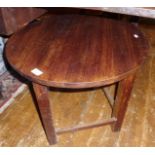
point(121, 102)
point(41, 94)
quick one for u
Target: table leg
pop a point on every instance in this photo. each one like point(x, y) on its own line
point(121, 102)
point(41, 94)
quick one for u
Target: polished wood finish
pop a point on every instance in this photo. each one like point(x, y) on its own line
point(12, 18)
point(121, 101)
point(77, 51)
point(41, 94)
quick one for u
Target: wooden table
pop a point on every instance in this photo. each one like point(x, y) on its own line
point(77, 51)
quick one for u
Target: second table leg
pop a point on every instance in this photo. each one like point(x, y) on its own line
point(41, 94)
point(121, 101)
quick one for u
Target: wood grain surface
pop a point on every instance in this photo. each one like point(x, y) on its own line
point(77, 51)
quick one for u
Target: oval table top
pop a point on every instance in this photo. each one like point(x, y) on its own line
point(76, 51)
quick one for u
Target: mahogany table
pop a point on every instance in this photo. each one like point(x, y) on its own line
point(78, 51)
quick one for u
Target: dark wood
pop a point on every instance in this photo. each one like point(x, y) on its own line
point(2, 25)
point(41, 94)
point(87, 126)
point(77, 51)
point(121, 101)
point(12, 19)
